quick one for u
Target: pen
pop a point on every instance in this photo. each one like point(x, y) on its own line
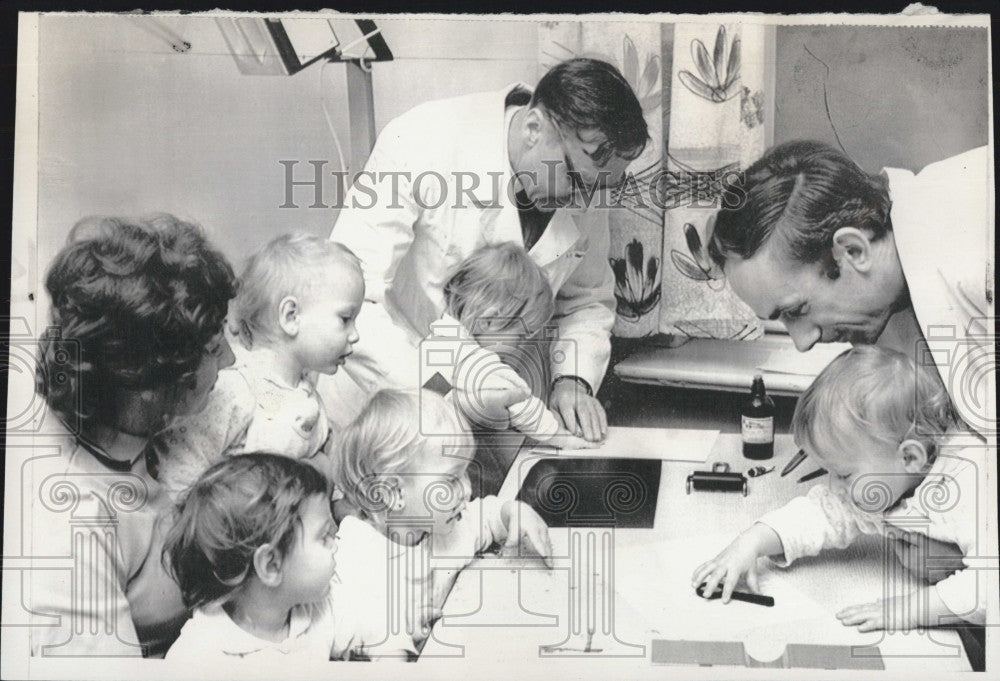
point(812, 476)
point(796, 460)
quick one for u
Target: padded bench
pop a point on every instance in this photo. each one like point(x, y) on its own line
point(729, 366)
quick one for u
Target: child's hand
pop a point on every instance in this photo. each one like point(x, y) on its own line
point(486, 401)
point(526, 527)
point(737, 561)
point(894, 614)
point(566, 440)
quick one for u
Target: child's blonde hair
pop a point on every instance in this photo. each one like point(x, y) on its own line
point(287, 265)
point(876, 391)
point(394, 433)
point(497, 289)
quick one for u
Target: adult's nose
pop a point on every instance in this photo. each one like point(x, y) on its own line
point(228, 358)
point(804, 336)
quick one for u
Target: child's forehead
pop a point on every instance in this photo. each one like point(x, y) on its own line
point(340, 268)
point(315, 510)
point(332, 279)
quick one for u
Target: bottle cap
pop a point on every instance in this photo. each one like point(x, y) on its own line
point(758, 377)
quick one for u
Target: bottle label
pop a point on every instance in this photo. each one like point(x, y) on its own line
point(758, 431)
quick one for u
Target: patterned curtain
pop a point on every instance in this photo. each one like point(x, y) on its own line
point(704, 92)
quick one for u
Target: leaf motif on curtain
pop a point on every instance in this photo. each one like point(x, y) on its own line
point(719, 81)
point(637, 283)
point(645, 85)
point(698, 265)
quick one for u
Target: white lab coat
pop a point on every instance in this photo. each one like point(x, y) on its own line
point(942, 222)
point(410, 236)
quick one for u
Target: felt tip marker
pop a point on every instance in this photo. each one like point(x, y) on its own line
point(812, 476)
point(795, 461)
point(756, 599)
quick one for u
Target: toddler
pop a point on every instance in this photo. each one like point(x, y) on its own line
point(412, 495)
point(498, 303)
point(886, 432)
point(252, 549)
point(293, 317)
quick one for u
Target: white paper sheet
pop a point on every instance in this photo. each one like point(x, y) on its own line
point(794, 618)
point(666, 444)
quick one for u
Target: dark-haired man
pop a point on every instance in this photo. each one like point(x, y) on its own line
point(899, 259)
point(452, 175)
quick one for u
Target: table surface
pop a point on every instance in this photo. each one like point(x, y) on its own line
point(617, 590)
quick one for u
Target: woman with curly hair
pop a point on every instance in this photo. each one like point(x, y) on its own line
point(136, 337)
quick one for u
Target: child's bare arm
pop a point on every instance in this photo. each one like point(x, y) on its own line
point(527, 529)
point(563, 439)
point(738, 561)
point(923, 607)
point(538, 422)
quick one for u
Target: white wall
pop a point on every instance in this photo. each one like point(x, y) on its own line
point(128, 126)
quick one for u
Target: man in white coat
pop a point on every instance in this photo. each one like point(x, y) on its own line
point(452, 175)
point(897, 259)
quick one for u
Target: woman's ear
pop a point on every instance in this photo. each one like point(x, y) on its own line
point(852, 248)
point(267, 565)
point(914, 455)
point(288, 315)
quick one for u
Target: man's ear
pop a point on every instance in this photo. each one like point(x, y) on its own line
point(914, 456)
point(267, 565)
point(288, 315)
point(533, 126)
point(852, 248)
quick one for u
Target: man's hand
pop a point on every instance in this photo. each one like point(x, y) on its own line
point(580, 413)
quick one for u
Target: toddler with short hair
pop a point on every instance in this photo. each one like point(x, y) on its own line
point(253, 549)
point(402, 464)
point(886, 431)
point(294, 317)
point(498, 304)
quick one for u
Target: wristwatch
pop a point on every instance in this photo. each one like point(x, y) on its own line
point(581, 382)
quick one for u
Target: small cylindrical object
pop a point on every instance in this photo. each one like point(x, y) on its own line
point(719, 479)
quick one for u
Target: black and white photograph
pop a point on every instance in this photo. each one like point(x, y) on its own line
point(503, 346)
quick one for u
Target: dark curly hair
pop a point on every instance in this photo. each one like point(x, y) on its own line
point(235, 507)
point(134, 303)
point(804, 191)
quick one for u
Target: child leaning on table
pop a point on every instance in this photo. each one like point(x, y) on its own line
point(497, 305)
point(294, 316)
point(402, 465)
point(886, 432)
point(253, 549)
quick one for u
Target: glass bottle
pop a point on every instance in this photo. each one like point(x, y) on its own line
point(757, 422)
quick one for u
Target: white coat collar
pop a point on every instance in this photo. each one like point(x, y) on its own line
point(562, 231)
